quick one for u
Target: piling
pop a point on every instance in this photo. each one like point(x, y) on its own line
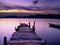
point(5, 40)
point(29, 25)
point(33, 27)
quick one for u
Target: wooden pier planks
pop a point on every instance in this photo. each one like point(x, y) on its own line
point(25, 36)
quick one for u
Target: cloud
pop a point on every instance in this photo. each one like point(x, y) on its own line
point(50, 3)
point(49, 0)
point(11, 6)
point(43, 5)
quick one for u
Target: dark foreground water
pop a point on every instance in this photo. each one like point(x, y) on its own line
point(51, 35)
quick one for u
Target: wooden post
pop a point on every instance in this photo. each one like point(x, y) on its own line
point(33, 27)
point(15, 29)
point(34, 23)
point(29, 24)
point(5, 40)
point(20, 23)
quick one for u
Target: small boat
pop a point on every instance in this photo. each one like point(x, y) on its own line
point(54, 25)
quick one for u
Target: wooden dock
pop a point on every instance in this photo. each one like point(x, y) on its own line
point(25, 35)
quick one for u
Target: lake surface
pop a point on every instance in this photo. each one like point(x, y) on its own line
point(51, 35)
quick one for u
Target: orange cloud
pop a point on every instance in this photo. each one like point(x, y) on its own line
point(29, 11)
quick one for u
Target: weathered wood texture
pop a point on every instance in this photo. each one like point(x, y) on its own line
point(25, 36)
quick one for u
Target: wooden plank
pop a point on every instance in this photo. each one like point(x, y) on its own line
point(25, 36)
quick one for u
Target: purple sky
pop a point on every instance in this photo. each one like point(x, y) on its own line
point(41, 3)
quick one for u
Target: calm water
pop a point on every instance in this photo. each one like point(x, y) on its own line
point(51, 35)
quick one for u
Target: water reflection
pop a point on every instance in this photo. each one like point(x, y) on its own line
point(51, 35)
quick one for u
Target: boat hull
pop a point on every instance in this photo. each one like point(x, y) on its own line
point(54, 26)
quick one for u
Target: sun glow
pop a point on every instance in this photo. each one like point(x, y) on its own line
point(17, 10)
point(28, 11)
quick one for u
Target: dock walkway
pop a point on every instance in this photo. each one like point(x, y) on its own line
point(25, 36)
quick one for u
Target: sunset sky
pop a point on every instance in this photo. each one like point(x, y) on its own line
point(44, 5)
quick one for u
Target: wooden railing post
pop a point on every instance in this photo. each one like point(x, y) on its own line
point(29, 25)
point(15, 29)
point(33, 27)
point(5, 40)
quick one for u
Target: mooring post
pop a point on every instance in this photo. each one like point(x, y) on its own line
point(15, 29)
point(34, 23)
point(33, 27)
point(20, 23)
point(29, 24)
point(5, 40)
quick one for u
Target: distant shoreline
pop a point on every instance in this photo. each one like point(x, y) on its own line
point(38, 16)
